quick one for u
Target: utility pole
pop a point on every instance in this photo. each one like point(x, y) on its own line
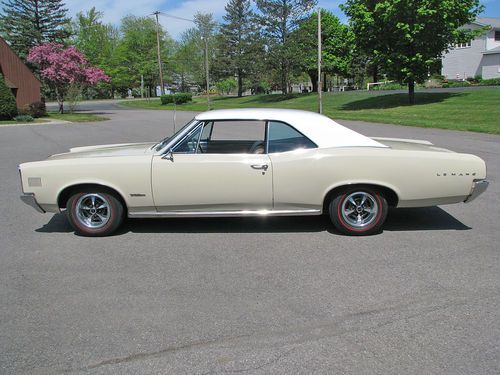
point(207, 72)
point(162, 87)
point(320, 98)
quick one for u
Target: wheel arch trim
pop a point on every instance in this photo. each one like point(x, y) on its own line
point(65, 192)
point(391, 193)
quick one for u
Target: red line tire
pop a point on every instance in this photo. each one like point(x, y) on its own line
point(94, 214)
point(359, 211)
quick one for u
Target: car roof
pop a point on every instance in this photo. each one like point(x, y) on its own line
point(320, 129)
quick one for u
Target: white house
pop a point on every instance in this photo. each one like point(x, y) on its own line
point(478, 57)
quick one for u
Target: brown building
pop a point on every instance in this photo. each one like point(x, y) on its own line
point(23, 83)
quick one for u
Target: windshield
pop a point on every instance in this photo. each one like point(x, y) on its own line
point(164, 142)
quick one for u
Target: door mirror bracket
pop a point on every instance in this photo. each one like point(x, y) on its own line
point(168, 156)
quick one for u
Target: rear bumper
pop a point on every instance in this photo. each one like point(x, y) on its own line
point(30, 200)
point(478, 188)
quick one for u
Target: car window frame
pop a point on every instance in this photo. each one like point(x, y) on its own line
point(180, 138)
point(268, 125)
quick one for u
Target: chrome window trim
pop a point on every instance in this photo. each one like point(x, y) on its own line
point(178, 138)
point(193, 130)
point(172, 144)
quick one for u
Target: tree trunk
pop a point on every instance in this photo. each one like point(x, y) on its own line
point(240, 84)
point(60, 101)
point(375, 73)
point(411, 91)
point(313, 74)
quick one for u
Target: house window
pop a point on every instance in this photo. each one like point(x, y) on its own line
point(497, 36)
point(464, 44)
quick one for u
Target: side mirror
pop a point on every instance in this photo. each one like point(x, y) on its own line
point(168, 156)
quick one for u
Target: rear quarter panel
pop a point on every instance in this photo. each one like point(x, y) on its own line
point(303, 178)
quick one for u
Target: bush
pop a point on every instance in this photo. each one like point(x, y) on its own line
point(24, 118)
point(179, 98)
point(490, 82)
point(456, 84)
point(36, 109)
point(8, 107)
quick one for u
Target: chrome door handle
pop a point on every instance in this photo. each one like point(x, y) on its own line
point(260, 166)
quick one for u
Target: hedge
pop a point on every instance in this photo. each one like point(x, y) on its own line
point(179, 98)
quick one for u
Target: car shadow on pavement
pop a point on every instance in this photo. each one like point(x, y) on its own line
point(406, 219)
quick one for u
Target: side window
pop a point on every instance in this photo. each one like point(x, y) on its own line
point(282, 138)
point(234, 137)
point(189, 144)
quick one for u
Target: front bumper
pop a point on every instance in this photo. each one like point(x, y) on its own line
point(478, 188)
point(30, 200)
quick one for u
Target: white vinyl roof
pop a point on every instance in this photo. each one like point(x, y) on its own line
point(320, 129)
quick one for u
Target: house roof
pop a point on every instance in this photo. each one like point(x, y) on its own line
point(489, 21)
point(493, 51)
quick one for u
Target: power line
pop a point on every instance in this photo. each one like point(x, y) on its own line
point(172, 16)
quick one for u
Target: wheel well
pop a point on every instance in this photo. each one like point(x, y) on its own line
point(64, 195)
point(389, 194)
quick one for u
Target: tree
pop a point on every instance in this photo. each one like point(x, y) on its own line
point(8, 108)
point(206, 26)
point(62, 67)
point(337, 45)
point(407, 37)
point(136, 53)
point(279, 18)
point(28, 23)
point(226, 85)
point(188, 60)
point(238, 40)
point(98, 42)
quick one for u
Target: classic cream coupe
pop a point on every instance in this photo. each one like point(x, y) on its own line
point(247, 162)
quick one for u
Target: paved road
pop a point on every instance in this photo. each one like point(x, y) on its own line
point(280, 295)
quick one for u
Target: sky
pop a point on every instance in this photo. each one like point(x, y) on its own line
point(114, 10)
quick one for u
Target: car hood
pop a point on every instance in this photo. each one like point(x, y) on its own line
point(123, 149)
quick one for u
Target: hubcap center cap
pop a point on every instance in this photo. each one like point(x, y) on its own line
point(359, 209)
point(93, 211)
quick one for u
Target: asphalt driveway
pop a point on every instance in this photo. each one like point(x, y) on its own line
point(258, 296)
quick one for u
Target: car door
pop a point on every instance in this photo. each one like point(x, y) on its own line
point(214, 169)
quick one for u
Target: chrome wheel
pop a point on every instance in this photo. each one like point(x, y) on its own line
point(92, 210)
point(359, 209)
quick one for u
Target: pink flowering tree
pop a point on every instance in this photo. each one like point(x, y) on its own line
point(64, 66)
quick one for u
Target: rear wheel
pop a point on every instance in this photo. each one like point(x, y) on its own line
point(359, 211)
point(94, 213)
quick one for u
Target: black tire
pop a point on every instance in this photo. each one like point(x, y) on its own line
point(99, 221)
point(359, 211)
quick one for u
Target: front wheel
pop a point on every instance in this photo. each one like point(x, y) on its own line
point(359, 211)
point(94, 213)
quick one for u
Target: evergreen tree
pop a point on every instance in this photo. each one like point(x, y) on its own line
point(29, 23)
point(279, 18)
point(8, 108)
point(239, 41)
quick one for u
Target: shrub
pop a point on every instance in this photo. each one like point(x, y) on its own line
point(24, 118)
point(179, 98)
point(37, 109)
point(8, 107)
point(490, 82)
point(456, 84)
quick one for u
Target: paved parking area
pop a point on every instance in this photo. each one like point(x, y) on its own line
point(257, 296)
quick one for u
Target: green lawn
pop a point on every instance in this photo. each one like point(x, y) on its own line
point(76, 117)
point(474, 110)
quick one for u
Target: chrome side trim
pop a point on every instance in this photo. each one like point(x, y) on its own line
point(478, 188)
point(30, 200)
point(174, 214)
